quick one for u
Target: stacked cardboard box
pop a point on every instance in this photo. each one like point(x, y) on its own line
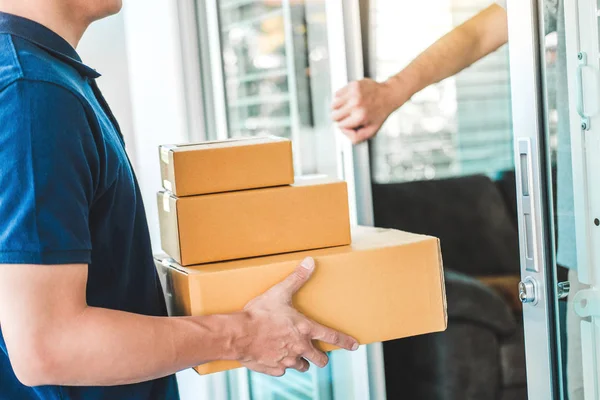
point(234, 223)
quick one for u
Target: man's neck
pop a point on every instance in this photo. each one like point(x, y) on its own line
point(49, 13)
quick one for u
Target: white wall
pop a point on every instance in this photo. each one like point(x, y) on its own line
point(157, 93)
point(103, 48)
point(138, 53)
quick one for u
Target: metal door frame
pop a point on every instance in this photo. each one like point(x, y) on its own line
point(534, 202)
point(345, 27)
point(583, 55)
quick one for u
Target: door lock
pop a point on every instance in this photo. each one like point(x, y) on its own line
point(527, 291)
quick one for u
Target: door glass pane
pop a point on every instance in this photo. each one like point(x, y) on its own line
point(255, 68)
point(276, 71)
point(277, 81)
point(442, 165)
point(460, 126)
point(557, 139)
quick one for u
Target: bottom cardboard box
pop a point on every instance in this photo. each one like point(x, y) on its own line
point(386, 285)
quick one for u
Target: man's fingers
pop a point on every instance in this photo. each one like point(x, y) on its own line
point(362, 134)
point(315, 356)
point(338, 102)
point(341, 113)
point(342, 92)
point(350, 134)
point(300, 365)
point(354, 120)
point(261, 369)
point(296, 279)
point(276, 372)
point(333, 337)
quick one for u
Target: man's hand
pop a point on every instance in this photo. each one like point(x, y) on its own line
point(279, 337)
point(361, 107)
point(54, 338)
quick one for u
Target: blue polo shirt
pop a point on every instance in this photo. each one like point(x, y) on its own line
point(68, 193)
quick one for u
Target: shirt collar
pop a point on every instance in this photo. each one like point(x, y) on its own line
point(46, 39)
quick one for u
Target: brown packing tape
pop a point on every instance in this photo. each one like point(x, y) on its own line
point(166, 171)
point(169, 229)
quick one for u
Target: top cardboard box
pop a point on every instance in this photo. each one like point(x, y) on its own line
point(225, 166)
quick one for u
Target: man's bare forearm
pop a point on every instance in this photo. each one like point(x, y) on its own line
point(469, 42)
point(105, 347)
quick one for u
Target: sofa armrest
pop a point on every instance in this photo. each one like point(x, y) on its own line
point(469, 300)
point(507, 287)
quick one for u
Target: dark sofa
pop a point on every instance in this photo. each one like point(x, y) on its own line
point(481, 355)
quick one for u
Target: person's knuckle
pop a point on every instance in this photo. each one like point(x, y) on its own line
point(361, 114)
point(289, 362)
point(297, 349)
point(303, 327)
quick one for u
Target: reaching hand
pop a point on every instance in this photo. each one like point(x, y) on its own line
point(361, 107)
point(279, 336)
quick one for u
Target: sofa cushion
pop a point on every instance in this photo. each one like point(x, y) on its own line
point(516, 393)
point(507, 186)
point(512, 360)
point(468, 214)
point(471, 301)
point(461, 363)
point(507, 287)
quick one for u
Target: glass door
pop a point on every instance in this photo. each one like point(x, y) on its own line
point(271, 67)
point(554, 71)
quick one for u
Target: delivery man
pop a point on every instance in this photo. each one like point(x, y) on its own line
point(81, 311)
point(362, 107)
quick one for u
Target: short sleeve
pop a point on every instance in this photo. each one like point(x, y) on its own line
point(47, 159)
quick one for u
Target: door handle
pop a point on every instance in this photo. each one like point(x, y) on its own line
point(526, 200)
point(582, 63)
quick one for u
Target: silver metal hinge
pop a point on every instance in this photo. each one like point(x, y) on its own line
point(587, 303)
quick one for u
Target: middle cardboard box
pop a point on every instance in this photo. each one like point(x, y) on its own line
point(310, 214)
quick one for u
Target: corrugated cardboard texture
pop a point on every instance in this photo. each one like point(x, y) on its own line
point(230, 165)
point(387, 285)
point(310, 214)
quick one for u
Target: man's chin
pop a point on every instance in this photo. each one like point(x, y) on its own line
point(109, 7)
point(115, 7)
